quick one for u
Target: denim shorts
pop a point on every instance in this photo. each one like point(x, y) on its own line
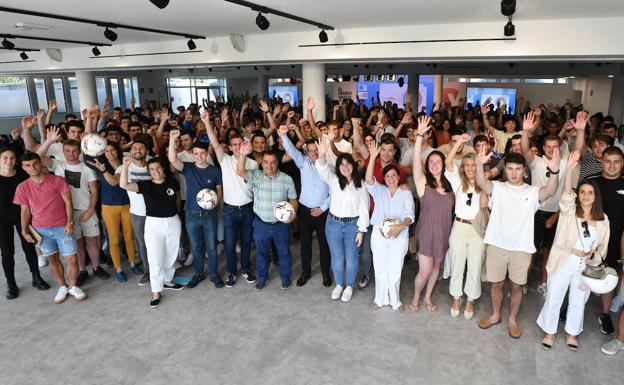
point(54, 239)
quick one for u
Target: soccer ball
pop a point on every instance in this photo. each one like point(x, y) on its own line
point(602, 284)
point(207, 199)
point(93, 145)
point(386, 226)
point(283, 211)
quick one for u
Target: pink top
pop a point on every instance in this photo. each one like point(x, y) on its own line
point(45, 200)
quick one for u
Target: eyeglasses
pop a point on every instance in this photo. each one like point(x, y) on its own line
point(585, 229)
point(469, 201)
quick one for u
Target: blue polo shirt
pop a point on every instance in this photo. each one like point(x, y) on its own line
point(198, 179)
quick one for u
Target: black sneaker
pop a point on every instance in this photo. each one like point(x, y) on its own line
point(82, 277)
point(155, 302)
point(231, 280)
point(100, 273)
point(249, 276)
point(144, 279)
point(606, 326)
point(195, 281)
point(174, 286)
point(218, 282)
point(364, 281)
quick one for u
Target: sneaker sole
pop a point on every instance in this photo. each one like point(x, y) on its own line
point(144, 283)
point(80, 299)
point(602, 330)
point(58, 302)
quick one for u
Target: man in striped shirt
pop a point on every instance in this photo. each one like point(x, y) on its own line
point(269, 186)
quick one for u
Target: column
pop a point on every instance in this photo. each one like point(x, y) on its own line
point(616, 101)
point(313, 75)
point(263, 86)
point(87, 95)
point(413, 88)
point(437, 89)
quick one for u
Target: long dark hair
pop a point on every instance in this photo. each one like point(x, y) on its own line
point(117, 148)
point(431, 180)
point(355, 176)
point(597, 214)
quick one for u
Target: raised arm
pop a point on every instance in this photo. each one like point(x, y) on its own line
point(374, 152)
point(580, 124)
point(290, 148)
point(52, 136)
point(51, 107)
point(486, 185)
point(245, 149)
point(112, 179)
point(573, 160)
point(527, 127)
point(358, 141)
point(407, 118)
point(27, 124)
point(124, 182)
point(172, 154)
point(417, 166)
point(212, 136)
point(547, 191)
point(310, 116)
point(485, 109)
point(448, 161)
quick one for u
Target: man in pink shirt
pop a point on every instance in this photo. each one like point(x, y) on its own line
point(46, 199)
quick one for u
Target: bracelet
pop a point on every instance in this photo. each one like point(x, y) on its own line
point(552, 172)
point(420, 135)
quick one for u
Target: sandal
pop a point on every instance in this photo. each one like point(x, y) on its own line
point(413, 308)
point(400, 309)
point(548, 341)
point(374, 306)
point(572, 343)
point(432, 308)
point(469, 314)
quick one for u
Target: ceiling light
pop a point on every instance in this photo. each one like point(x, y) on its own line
point(7, 44)
point(508, 7)
point(160, 3)
point(96, 51)
point(110, 35)
point(23, 56)
point(323, 36)
point(510, 29)
point(191, 44)
point(262, 22)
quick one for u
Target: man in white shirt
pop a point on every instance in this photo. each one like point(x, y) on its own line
point(238, 213)
point(509, 235)
point(84, 192)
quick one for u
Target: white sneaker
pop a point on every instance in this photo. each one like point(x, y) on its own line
point(189, 260)
point(43, 261)
point(78, 293)
point(616, 304)
point(61, 294)
point(336, 292)
point(542, 289)
point(347, 294)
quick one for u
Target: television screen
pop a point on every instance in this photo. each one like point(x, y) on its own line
point(479, 95)
point(289, 94)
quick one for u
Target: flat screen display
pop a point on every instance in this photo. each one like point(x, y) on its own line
point(480, 95)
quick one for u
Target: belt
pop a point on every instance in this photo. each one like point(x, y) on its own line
point(345, 219)
point(466, 221)
point(239, 207)
point(266, 223)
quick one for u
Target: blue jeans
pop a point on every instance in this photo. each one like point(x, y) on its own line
point(237, 224)
point(264, 234)
point(54, 240)
point(341, 240)
point(204, 223)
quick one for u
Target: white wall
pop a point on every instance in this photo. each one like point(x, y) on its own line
point(242, 86)
point(598, 95)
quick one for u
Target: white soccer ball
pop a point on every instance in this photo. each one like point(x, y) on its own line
point(207, 199)
point(284, 211)
point(93, 145)
point(386, 226)
point(602, 285)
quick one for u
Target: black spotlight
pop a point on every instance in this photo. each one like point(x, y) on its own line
point(23, 56)
point(401, 81)
point(96, 51)
point(508, 7)
point(191, 44)
point(7, 44)
point(262, 22)
point(510, 29)
point(323, 36)
point(110, 35)
point(160, 3)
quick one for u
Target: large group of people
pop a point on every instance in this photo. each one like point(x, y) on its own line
point(477, 193)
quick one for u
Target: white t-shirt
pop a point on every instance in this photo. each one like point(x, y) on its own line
point(462, 209)
point(342, 146)
point(136, 174)
point(236, 191)
point(511, 221)
point(538, 178)
point(77, 177)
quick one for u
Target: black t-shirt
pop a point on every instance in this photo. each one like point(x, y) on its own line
point(612, 194)
point(160, 199)
point(9, 211)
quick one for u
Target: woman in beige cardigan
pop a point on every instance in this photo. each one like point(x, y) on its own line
point(581, 238)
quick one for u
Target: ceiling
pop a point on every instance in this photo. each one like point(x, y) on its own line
point(214, 18)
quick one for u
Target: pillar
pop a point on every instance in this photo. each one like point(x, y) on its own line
point(413, 88)
point(263, 86)
point(616, 101)
point(437, 89)
point(87, 95)
point(313, 75)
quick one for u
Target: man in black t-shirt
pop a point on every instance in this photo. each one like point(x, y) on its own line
point(611, 184)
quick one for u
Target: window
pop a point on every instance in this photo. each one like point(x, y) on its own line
point(482, 80)
point(73, 94)
point(539, 81)
point(14, 96)
point(100, 86)
point(185, 91)
point(42, 98)
point(131, 90)
point(114, 85)
point(562, 81)
point(59, 95)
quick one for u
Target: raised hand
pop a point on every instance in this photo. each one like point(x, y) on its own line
point(581, 120)
point(235, 114)
point(40, 113)
point(553, 162)
point(127, 160)
point(27, 122)
point(264, 107)
point(323, 145)
point(15, 134)
point(52, 106)
point(285, 108)
point(464, 138)
point(277, 110)
point(282, 130)
point(423, 125)
point(482, 158)
point(173, 135)
point(302, 122)
point(407, 118)
point(408, 98)
point(53, 133)
point(373, 150)
point(108, 101)
point(569, 125)
point(290, 114)
point(573, 159)
point(310, 103)
point(165, 114)
point(529, 121)
point(357, 122)
point(485, 108)
point(245, 105)
point(245, 148)
point(336, 107)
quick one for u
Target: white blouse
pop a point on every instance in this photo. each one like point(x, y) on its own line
point(463, 210)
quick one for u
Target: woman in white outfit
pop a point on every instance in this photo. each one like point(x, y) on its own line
point(388, 253)
point(582, 238)
point(466, 245)
point(162, 224)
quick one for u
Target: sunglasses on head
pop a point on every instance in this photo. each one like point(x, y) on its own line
point(585, 229)
point(469, 201)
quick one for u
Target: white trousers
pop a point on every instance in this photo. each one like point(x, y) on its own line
point(568, 276)
point(467, 249)
point(162, 240)
point(388, 257)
